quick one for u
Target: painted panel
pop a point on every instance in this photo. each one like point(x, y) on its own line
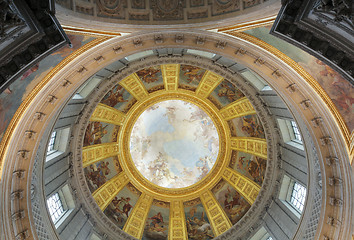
point(156, 226)
point(121, 207)
point(119, 98)
point(99, 173)
point(190, 76)
point(12, 97)
point(224, 94)
point(98, 132)
point(234, 205)
point(251, 166)
point(339, 89)
point(198, 225)
point(151, 78)
point(247, 126)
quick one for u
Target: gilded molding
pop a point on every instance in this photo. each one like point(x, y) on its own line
point(239, 108)
point(164, 193)
point(248, 25)
point(217, 217)
point(135, 224)
point(170, 75)
point(245, 186)
point(255, 146)
point(107, 114)
point(95, 153)
point(133, 84)
point(177, 224)
point(89, 32)
point(208, 83)
point(108, 191)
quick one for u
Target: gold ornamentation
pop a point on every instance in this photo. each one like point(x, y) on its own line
point(245, 186)
point(168, 194)
point(248, 25)
point(208, 83)
point(133, 85)
point(255, 146)
point(98, 152)
point(107, 114)
point(217, 217)
point(239, 108)
point(108, 191)
point(136, 222)
point(310, 80)
point(170, 74)
point(177, 227)
point(89, 32)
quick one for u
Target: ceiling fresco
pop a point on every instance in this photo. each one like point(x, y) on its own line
point(161, 139)
point(174, 144)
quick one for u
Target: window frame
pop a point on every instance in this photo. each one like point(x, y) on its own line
point(296, 131)
point(60, 143)
point(51, 143)
point(53, 211)
point(288, 133)
point(285, 195)
point(67, 202)
point(293, 196)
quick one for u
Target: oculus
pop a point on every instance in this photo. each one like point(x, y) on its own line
point(174, 144)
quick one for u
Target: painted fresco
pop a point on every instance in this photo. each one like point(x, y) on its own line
point(11, 99)
point(234, 205)
point(338, 89)
point(251, 166)
point(156, 226)
point(151, 78)
point(99, 173)
point(174, 144)
point(224, 94)
point(190, 76)
point(120, 208)
point(98, 132)
point(119, 98)
point(198, 225)
point(248, 126)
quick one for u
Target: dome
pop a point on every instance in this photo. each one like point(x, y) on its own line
point(169, 137)
point(175, 120)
